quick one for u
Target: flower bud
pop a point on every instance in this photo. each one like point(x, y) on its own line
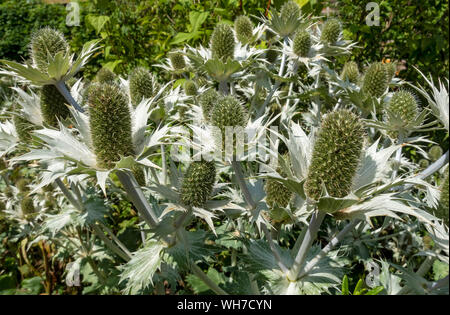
point(350, 72)
point(375, 80)
point(331, 31)
point(110, 122)
point(336, 155)
point(142, 85)
point(53, 105)
point(104, 75)
point(228, 112)
point(23, 128)
point(27, 205)
point(443, 210)
point(190, 88)
point(45, 44)
point(177, 60)
point(435, 153)
point(198, 183)
point(404, 105)
point(277, 195)
point(290, 10)
point(222, 42)
point(244, 29)
point(302, 43)
point(207, 101)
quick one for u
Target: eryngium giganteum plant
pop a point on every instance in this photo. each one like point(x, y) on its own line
point(228, 112)
point(375, 80)
point(244, 29)
point(222, 42)
point(336, 155)
point(290, 10)
point(142, 85)
point(104, 75)
point(443, 210)
point(198, 182)
point(110, 122)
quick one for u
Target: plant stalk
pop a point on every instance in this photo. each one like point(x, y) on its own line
point(61, 86)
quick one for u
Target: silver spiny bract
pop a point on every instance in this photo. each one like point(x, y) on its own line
point(228, 112)
point(289, 10)
point(190, 88)
point(350, 72)
point(142, 85)
point(198, 183)
point(331, 31)
point(177, 60)
point(53, 105)
point(222, 42)
point(244, 29)
point(104, 75)
point(45, 44)
point(403, 105)
point(110, 122)
point(375, 80)
point(207, 101)
point(302, 43)
point(435, 153)
point(336, 155)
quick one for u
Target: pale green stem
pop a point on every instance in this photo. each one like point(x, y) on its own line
point(113, 247)
point(164, 163)
point(223, 87)
point(310, 236)
point(336, 240)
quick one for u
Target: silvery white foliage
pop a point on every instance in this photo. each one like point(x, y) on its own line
point(30, 106)
point(438, 100)
point(139, 271)
point(8, 137)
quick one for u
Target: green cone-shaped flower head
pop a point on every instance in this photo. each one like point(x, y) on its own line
point(336, 155)
point(391, 68)
point(350, 72)
point(271, 55)
point(177, 60)
point(23, 128)
point(27, 205)
point(207, 101)
point(375, 80)
point(228, 112)
point(404, 105)
point(110, 122)
point(53, 105)
point(45, 44)
point(290, 10)
point(190, 88)
point(443, 210)
point(222, 42)
point(302, 43)
point(277, 195)
point(435, 153)
point(198, 183)
point(22, 185)
point(104, 75)
point(142, 85)
point(331, 31)
point(423, 164)
point(244, 29)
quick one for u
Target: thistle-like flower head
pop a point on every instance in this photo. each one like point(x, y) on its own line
point(177, 60)
point(278, 195)
point(228, 112)
point(350, 72)
point(110, 124)
point(435, 153)
point(222, 42)
point(302, 43)
point(142, 85)
point(53, 105)
point(190, 88)
point(403, 105)
point(375, 80)
point(198, 183)
point(331, 31)
point(290, 10)
point(336, 155)
point(45, 44)
point(244, 29)
point(104, 75)
point(207, 101)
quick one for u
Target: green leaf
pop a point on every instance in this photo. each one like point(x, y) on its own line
point(97, 22)
point(32, 286)
point(440, 270)
point(196, 19)
point(345, 290)
point(182, 37)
